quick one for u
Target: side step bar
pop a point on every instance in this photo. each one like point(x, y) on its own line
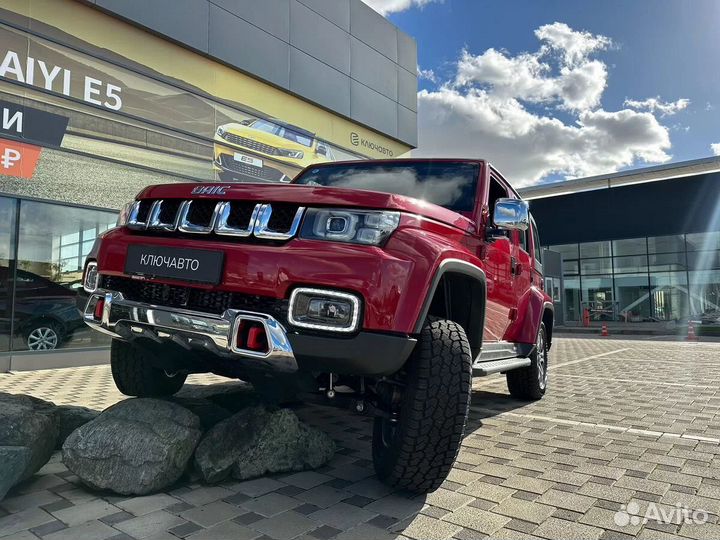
point(497, 366)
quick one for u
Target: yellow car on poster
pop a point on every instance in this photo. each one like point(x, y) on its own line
point(265, 150)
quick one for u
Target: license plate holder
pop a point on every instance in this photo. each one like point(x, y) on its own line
point(183, 264)
point(242, 158)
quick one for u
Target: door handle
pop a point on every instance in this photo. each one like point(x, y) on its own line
point(513, 266)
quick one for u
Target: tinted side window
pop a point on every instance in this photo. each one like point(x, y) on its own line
point(536, 241)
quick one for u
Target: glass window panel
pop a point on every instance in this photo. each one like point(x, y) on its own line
point(705, 295)
point(570, 268)
point(89, 233)
point(632, 292)
point(667, 262)
point(72, 238)
point(45, 311)
point(7, 261)
point(669, 295)
point(703, 241)
point(568, 251)
point(703, 260)
point(86, 247)
point(595, 266)
point(597, 296)
point(631, 264)
point(572, 299)
point(595, 249)
point(69, 251)
point(631, 246)
point(666, 244)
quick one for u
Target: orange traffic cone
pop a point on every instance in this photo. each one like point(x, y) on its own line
point(604, 332)
point(691, 332)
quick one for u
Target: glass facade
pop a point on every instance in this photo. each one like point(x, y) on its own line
point(42, 250)
point(647, 279)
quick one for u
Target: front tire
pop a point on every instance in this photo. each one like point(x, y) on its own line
point(417, 450)
point(529, 383)
point(134, 374)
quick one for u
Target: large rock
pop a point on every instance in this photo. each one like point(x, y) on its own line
point(13, 463)
point(29, 422)
point(135, 447)
point(255, 441)
point(208, 412)
point(71, 417)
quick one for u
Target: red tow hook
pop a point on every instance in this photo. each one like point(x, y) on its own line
point(99, 307)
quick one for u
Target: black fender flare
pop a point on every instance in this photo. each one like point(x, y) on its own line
point(460, 267)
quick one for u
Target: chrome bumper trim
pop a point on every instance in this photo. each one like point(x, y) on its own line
point(122, 318)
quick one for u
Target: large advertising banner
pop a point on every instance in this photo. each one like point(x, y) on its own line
point(115, 118)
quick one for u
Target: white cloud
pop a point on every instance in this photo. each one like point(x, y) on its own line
point(665, 108)
point(385, 7)
point(427, 74)
point(503, 107)
point(715, 148)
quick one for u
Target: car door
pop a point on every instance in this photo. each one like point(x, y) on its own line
point(498, 264)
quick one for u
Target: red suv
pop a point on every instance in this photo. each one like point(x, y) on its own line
point(382, 286)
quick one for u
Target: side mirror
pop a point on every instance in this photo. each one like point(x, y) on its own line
point(511, 214)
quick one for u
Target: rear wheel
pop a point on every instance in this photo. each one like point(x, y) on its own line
point(135, 375)
point(530, 383)
point(416, 449)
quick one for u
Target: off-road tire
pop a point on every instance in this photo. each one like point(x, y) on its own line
point(527, 383)
point(134, 374)
point(422, 448)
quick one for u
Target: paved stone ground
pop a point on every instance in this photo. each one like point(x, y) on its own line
point(624, 423)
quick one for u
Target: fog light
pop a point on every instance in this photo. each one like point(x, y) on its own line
point(99, 307)
point(324, 310)
point(90, 282)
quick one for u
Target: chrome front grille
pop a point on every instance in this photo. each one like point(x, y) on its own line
point(251, 144)
point(242, 219)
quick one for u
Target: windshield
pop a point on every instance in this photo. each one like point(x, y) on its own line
point(281, 131)
point(448, 184)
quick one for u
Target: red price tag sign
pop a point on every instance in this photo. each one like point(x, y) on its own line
point(18, 159)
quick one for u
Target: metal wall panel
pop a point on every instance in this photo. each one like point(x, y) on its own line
point(185, 21)
point(372, 69)
point(319, 82)
point(335, 11)
point(362, 54)
point(239, 43)
point(376, 110)
point(273, 16)
point(319, 38)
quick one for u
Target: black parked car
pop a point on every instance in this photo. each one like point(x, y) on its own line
point(45, 312)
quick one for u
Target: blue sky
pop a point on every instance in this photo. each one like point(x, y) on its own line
point(568, 99)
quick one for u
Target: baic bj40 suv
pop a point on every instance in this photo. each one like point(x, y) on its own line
point(381, 286)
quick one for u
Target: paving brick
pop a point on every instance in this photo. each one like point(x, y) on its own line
point(477, 520)
point(211, 514)
point(27, 519)
point(490, 492)
point(225, 531)
point(426, 528)
point(568, 501)
point(286, 525)
point(449, 500)
point(75, 515)
point(145, 505)
point(559, 528)
point(149, 524)
point(525, 510)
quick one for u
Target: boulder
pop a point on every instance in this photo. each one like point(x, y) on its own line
point(71, 417)
point(208, 412)
point(135, 447)
point(256, 441)
point(15, 460)
point(29, 422)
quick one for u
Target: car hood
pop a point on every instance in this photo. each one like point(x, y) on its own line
point(311, 196)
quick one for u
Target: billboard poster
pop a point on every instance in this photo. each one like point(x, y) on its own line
point(95, 116)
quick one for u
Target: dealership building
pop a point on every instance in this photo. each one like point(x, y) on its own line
point(639, 246)
point(101, 98)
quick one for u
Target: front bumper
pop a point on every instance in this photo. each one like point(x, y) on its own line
point(208, 338)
